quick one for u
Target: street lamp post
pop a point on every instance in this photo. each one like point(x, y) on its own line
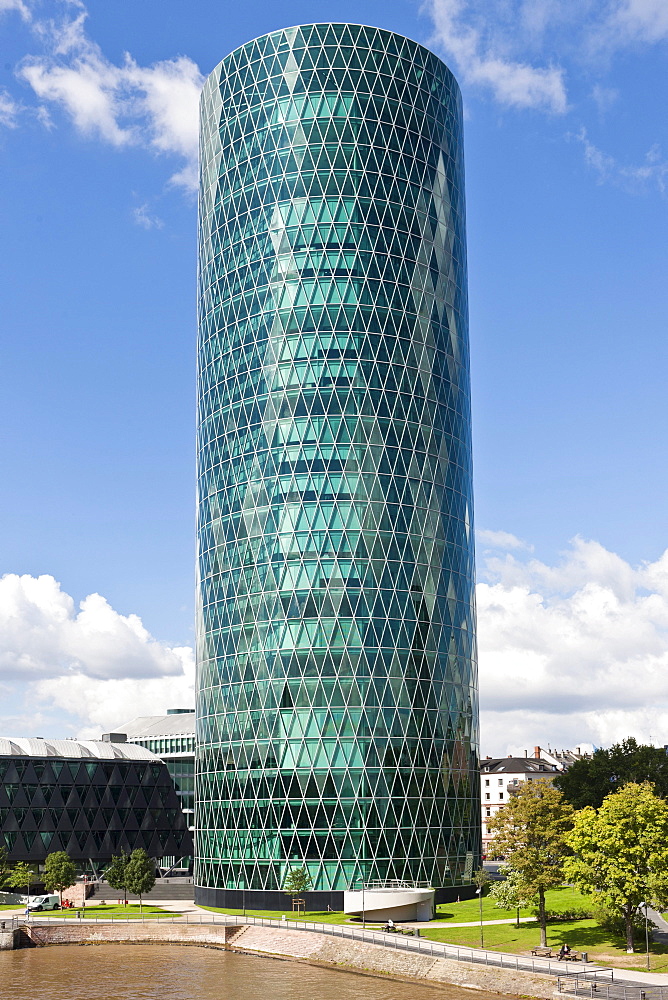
point(646, 934)
point(479, 895)
point(363, 910)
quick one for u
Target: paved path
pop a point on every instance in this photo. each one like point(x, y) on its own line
point(470, 923)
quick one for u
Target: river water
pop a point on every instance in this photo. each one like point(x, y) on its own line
point(169, 972)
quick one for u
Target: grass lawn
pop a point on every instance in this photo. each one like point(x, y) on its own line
point(581, 935)
point(557, 901)
point(131, 910)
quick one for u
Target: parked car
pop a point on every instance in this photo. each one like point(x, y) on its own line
point(36, 903)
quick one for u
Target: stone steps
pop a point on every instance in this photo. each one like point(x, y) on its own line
point(161, 890)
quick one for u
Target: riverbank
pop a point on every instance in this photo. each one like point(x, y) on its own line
point(303, 946)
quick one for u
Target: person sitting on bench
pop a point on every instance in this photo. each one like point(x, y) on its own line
point(564, 952)
point(389, 926)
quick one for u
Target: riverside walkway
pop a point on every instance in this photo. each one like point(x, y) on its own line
point(574, 978)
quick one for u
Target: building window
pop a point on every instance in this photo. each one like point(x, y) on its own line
point(487, 796)
point(486, 782)
point(500, 795)
point(500, 782)
point(488, 812)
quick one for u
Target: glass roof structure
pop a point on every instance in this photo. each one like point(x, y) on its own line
point(337, 686)
point(37, 747)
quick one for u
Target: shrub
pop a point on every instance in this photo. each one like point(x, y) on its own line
point(614, 923)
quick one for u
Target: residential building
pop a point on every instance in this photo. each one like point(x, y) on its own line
point(501, 776)
point(337, 691)
point(91, 798)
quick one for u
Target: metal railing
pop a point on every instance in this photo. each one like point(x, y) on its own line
point(620, 990)
point(398, 942)
point(395, 883)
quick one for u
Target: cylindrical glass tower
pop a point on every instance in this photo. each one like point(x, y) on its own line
point(337, 699)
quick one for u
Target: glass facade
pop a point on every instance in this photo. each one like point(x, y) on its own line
point(337, 691)
point(91, 808)
point(178, 752)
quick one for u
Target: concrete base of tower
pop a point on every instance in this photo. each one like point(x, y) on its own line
point(261, 899)
point(315, 902)
point(451, 893)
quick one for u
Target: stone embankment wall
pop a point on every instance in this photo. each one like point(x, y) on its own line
point(8, 940)
point(305, 946)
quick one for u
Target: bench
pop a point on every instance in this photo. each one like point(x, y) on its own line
point(542, 952)
point(573, 956)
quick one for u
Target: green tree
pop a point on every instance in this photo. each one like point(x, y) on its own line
point(588, 781)
point(529, 833)
point(620, 852)
point(22, 875)
point(297, 881)
point(511, 893)
point(59, 873)
point(5, 869)
point(116, 872)
point(140, 874)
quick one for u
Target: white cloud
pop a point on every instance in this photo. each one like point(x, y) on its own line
point(43, 634)
point(104, 705)
point(9, 110)
point(510, 47)
point(143, 218)
point(633, 21)
point(125, 105)
point(6, 6)
point(573, 652)
point(478, 47)
point(653, 173)
point(500, 540)
point(570, 653)
point(80, 669)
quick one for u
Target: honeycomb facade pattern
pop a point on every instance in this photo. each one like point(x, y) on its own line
point(337, 690)
point(89, 799)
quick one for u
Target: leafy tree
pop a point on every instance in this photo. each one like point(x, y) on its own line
point(620, 852)
point(588, 781)
point(22, 875)
point(481, 879)
point(297, 881)
point(511, 893)
point(116, 872)
point(140, 874)
point(5, 869)
point(59, 872)
point(529, 833)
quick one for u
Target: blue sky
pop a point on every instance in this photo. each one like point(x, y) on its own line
point(567, 168)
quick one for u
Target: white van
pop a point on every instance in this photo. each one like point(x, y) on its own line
point(36, 903)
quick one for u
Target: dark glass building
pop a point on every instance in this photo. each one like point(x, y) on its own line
point(172, 738)
point(337, 698)
point(90, 798)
